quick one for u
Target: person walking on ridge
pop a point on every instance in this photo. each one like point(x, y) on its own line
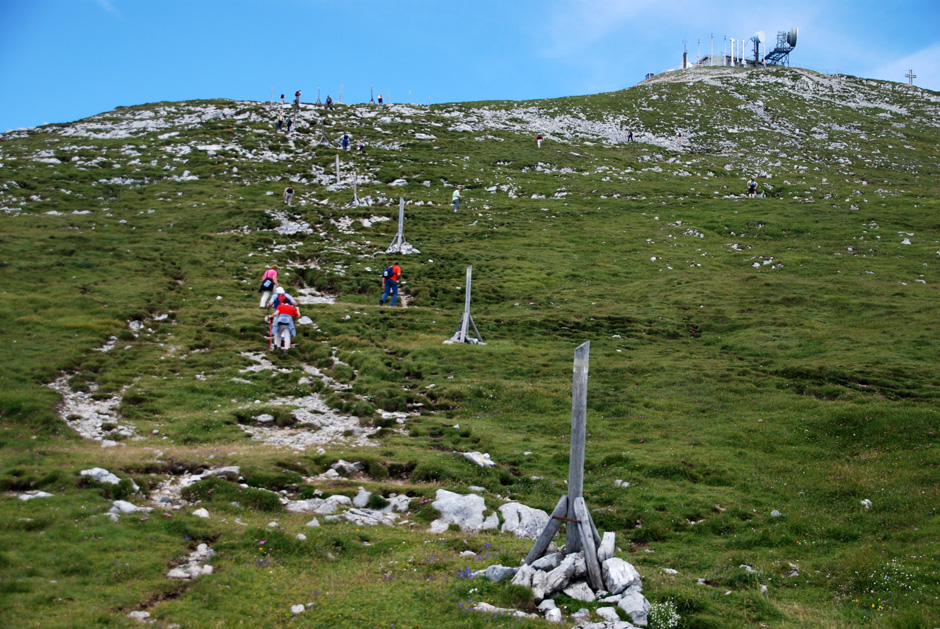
point(538, 139)
point(288, 194)
point(455, 199)
point(268, 284)
point(752, 188)
point(289, 123)
point(345, 141)
point(629, 135)
point(390, 277)
point(282, 99)
point(329, 102)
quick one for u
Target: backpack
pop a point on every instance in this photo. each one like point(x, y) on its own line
point(388, 272)
point(267, 284)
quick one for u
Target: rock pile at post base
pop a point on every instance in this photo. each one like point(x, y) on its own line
point(559, 572)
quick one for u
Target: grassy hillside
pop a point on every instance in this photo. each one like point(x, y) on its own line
point(759, 366)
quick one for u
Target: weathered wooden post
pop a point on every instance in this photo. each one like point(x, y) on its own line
point(581, 534)
point(399, 244)
point(578, 434)
point(323, 138)
point(466, 320)
point(318, 95)
point(355, 181)
point(337, 170)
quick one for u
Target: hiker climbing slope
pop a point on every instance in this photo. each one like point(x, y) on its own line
point(390, 277)
point(268, 284)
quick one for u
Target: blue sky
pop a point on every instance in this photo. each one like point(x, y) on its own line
point(62, 60)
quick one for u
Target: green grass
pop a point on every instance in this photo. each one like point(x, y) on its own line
point(720, 392)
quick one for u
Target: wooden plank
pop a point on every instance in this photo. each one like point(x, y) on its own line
point(479, 338)
point(465, 320)
point(597, 536)
point(578, 433)
point(549, 532)
point(587, 539)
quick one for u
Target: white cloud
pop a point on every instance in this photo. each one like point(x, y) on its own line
point(107, 6)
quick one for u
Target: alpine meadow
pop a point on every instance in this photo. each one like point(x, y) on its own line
point(763, 400)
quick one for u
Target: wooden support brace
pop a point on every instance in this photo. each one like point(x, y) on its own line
point(590, 550)
point(549, 532)
point(597, 537)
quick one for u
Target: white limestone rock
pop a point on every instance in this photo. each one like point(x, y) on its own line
point(497, 573)
point(608, 613)
point(636, 606)
point(522, 521)
point(580, 591)
point(201, 513)
point(481, 459)
point(619, 575)
point(466, 511)
point(361, 499)
point(606, 550)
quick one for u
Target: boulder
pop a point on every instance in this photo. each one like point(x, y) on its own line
point(608, 613)
point(101, 475)
point(522, 521)
point(297, 609)
point(362, 498)
point(347, 468)
point(201, 513)
point(580, 591)
point(122, 507)
point(544, 584)
point(466, 511)
point(636, 606)
point(554, 615)
point(548, 562)
point(619, 575)
point(498, 573)
point(524, 576)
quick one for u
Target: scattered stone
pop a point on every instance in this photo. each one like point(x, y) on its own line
point(33, 493)
point(775, 514)
point(122, 507)
point(866, 503)
point(621, 483)
point(195, 564)
point(201, 513)
point(139, 616)
point(483, 460)
point(313, 523)
point(301, 537)
point(347, 468)
point(297, 609)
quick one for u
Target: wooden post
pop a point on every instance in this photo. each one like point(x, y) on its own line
point(578, 434)
point(337, 169)
point(587, 539)
point(318, 95)
point(400, 236)
point(465, 320)
point(340, 93)
point(549, 532)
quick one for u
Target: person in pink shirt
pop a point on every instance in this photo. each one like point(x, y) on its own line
point(268, 284)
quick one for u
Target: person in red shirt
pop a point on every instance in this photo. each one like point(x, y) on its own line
point(283, 315)
point(390, 280)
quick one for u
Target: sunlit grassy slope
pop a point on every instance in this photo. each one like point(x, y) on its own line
point(747, 355)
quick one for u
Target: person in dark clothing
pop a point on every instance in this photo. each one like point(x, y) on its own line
point(329, 102)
